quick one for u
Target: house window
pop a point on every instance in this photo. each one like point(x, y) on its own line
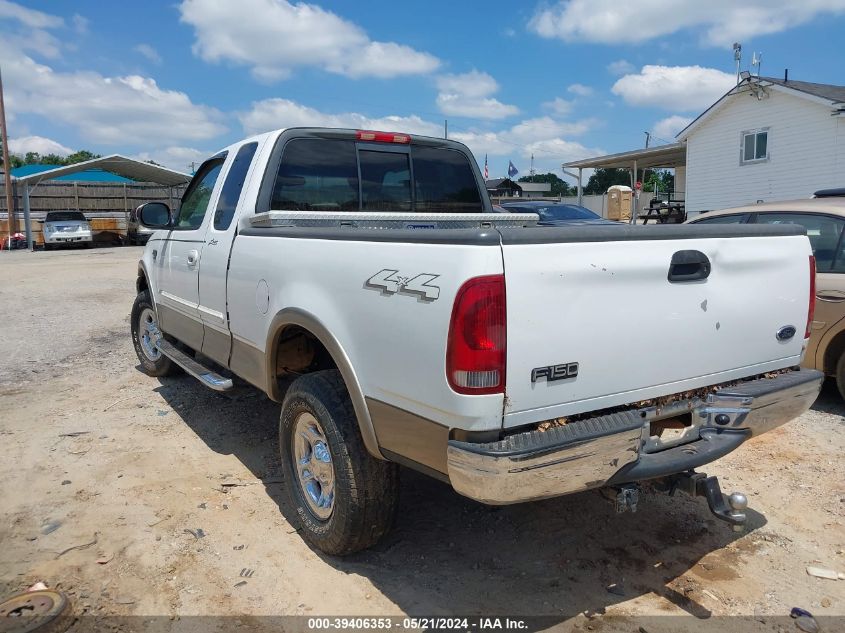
point(755, 146)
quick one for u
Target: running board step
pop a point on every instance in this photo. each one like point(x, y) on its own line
point(206, 376)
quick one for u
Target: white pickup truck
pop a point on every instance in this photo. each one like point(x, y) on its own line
point(362, 280)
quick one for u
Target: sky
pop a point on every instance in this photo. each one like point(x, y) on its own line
point(174, 81)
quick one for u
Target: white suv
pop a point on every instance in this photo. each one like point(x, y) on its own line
point(66, 227)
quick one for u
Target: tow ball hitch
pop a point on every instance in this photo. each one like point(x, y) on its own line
point(729, 508)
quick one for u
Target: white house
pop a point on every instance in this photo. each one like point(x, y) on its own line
point(765, 140)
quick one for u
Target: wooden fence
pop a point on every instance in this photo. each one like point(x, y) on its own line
point(106, 205)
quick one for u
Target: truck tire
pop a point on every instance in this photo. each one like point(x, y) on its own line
point(153, 362)
point(344, 498)
point(840, 375)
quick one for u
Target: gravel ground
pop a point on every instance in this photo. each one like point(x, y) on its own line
point(127, 469)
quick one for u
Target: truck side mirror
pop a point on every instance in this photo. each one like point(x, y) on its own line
point(154, 215)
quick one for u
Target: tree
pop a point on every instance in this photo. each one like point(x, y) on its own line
point(33, 158)
point(603, 178)
point(15, 161)
point(559, 186)
point(80, 156)
point(52, 159)
point(663, 178)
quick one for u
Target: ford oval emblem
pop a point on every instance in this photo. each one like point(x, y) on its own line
point(786, 333)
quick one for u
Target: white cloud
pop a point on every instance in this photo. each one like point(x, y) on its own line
point(28, 30)
point(558, 106)
point(721, 22)
point(109, 110)
point(39, 144)
point(80, 24)
point(149, 52)
point(539, 128)
point(620, 67)
point(271, 114)
point(679, 88)
point(667, 128)
point(519, 144)
point(29, 17)
point(470, 95)
point(274, 37)
point(178, 158)
point(581, 90)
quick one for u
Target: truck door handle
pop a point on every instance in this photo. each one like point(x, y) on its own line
point(688, 266)
point(193, 256)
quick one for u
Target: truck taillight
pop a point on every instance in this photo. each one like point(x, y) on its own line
point(811, 310)
point(475, 349)
point(382, 137)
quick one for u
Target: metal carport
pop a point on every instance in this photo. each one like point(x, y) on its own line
point(668, 156)
point(117, 164)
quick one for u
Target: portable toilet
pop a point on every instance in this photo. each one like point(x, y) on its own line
point(619, 203)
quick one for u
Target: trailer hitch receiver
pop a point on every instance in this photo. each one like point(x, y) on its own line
point(729, 508)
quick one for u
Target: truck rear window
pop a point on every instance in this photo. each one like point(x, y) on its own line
point(385, 181)
point(323, 175)
point(444, 182)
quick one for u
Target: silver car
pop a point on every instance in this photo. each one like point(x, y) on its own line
point(63, 228)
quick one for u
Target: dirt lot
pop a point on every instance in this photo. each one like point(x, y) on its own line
point(96, 452)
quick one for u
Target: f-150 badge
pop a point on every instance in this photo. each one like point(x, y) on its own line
point(555, 372)
point(390, 282)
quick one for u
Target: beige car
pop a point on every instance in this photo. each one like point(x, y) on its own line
point(824, 219)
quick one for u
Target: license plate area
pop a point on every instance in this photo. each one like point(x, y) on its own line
point(670, 431)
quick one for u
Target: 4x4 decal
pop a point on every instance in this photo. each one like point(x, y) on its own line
point(390, 282)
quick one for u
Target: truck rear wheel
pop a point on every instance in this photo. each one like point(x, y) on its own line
point(143, 320)
point(344, 498)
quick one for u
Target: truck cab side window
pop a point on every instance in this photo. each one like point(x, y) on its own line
point(232, 187)
point(317, 175)
point(196, 198)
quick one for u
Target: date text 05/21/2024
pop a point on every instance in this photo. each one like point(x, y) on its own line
point(418, 623)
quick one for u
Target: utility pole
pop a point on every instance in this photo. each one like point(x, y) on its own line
point(445, 128)
point(7, 167)
point(647, 138)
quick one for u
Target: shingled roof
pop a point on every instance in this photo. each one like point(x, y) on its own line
point(825, 91)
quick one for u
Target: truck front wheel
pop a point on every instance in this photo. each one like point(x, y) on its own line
point(143, 321)
point(345, 499)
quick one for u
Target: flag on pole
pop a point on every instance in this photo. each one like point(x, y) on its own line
point(486, 172)
point(512, 170)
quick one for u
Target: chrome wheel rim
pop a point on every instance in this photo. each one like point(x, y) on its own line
point(313, 464)
point(146, 326)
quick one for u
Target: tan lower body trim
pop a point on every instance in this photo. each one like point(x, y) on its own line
point(180, 326)
point(409, 435)
point(248, 362)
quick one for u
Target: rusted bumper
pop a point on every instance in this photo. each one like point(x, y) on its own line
point(619, 448)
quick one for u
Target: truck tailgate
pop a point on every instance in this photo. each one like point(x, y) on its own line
point(601, 297)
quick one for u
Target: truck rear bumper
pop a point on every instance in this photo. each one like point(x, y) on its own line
point(620, 448)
